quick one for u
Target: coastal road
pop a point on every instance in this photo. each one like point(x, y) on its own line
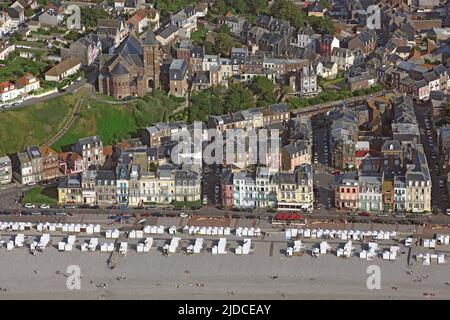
point(319, 215)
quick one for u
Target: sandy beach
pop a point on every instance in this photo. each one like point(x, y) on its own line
point(265, 274)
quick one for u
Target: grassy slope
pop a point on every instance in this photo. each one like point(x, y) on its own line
point(33, 124)
point(37, 195)
point(110, 122)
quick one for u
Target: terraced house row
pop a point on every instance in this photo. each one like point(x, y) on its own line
point(131, 186)
point(394, 179)
point(269, 189)
point(40, 163)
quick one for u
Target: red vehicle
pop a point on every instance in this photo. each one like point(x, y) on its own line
point(288, 216)
point(363, 214)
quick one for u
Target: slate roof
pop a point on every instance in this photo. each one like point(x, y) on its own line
point(119, 69)
point(150, 39)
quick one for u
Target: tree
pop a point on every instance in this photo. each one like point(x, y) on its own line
point(153, 167)
point(325, 3)
point(287, 10)
point(209, 48)
point(322, 25)
point(29, 12)
point(168, 6)
point(447, 114)
point(219, 7)
point(223, 44)
point(90, 16)
point(224, 29)
point(258, 5)
point(239, 5)
point(264, 89)
point(238, 98)
point(17, 37)
point(72, 35)
point(199, 36)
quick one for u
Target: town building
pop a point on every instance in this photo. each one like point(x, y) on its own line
point(5, 170)
point(178, 83)
point(347, 191)
point(87, 50)
point(91, 151)
point(62, 70)
point(70, 163)
point(50, 163)
point(295, 154)
point(295, 190)
point(133, 70)
point(27, 166)
point(370, 193)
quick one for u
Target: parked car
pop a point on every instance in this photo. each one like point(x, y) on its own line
point(29, 205)
point(45, 206)
point(184, 215)
point(363, 214)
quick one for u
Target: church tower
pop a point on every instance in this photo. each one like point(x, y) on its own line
point(152, 60)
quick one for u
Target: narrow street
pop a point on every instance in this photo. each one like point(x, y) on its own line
point(429, 141)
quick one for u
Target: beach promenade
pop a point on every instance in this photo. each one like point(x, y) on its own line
point(264, 274)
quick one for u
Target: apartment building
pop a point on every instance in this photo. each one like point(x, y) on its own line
point(245, 191)
point(370, 193)
point(91, 150)
point(347, 191)
point(295, 190)
point(5, 170)
point(295, 154)
point(27, 166)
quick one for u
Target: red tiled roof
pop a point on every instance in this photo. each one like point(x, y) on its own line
point(64, 155)
point(5, 85)
point(44, 150)
point(363, 153)
point(107, 151)
point(25, 79)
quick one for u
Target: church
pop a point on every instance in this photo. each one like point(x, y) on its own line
point(133, 69)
